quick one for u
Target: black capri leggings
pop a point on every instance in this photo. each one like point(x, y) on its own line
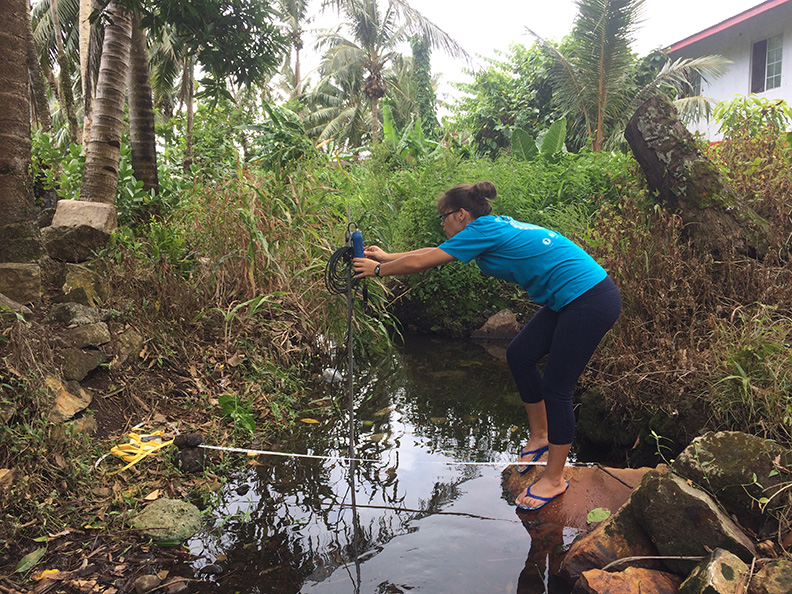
point(569, 338)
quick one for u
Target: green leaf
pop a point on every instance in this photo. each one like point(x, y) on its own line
point(523, 145)
point(598, 515)
point(553, 143)
point(29, 561)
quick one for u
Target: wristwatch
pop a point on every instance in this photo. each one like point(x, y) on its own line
point(376, 270)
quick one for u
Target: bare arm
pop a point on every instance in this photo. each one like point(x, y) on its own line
point(406, 263)
point(377, 253)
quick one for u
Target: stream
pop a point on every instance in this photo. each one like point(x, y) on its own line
point(425, 519)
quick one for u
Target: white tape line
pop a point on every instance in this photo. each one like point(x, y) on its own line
point(344, 459)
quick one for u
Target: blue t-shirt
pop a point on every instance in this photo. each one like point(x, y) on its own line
point(553, 269)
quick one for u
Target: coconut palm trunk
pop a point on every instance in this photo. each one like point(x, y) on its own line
point(141, 112)
point(38, 84)
point(64, 76)
point(19, 240)
point(100, 180)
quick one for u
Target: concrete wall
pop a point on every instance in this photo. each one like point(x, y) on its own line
point(735, 44)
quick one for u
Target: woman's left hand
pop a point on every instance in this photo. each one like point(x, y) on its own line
point(364, 267)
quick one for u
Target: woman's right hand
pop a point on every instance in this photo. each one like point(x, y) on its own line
point(376, 253)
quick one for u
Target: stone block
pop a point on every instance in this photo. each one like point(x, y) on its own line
point(90, 335)
point(73, 244)
point(20, 282)
point(74, 213)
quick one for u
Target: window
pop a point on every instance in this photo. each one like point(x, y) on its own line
point(766, 64)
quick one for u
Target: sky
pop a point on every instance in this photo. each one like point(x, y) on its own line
point(482, 27)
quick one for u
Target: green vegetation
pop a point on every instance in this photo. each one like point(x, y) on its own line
point(221, 267)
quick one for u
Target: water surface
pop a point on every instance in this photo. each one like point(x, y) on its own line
point(424, 519)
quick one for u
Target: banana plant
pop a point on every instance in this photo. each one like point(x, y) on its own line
point(411, 144)
point(550, 146)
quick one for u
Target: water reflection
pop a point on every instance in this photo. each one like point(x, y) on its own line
point(423, 521)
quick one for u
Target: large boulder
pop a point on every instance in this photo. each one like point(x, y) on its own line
point(683, 520)
point(618, 537)
point(168, 521)
point(738, 470)
point(76, 364)
point(73, 213)
point(720, 573)
point(73, 314)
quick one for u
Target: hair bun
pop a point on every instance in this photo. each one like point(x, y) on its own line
point(485, 189)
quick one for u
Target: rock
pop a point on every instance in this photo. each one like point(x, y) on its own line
point(617, 537)
point(21, 241)
point(20, 282)
point(70, 399)
point(725, 464)
point(74, 213)
point(773, 578)
point(191, 460)
point(502, 325)
point(129, 344)
point(719, 573)
point(45, 217)
point(81, 283)
point(73, 244)
point(630, 581)
point(210, 569)
point(168, 521)
point(7, 411)
point(589, 488)
point(683, 520)
point(145, 583)
point(73, 314)
point(90, 335)
point(188, 440)
point(76, 364)
point(14, 306)
point(85, 426)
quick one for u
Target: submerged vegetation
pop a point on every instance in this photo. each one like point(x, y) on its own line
point(221, 270)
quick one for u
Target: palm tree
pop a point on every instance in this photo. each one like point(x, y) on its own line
point(142, 138)
point(293, 14)
point(18, 231)
point(595, 79)
point(376, 30)
point(102, 154)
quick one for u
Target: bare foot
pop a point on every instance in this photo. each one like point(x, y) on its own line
point(544, 488)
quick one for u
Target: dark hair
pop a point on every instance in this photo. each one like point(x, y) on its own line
point(473, 198)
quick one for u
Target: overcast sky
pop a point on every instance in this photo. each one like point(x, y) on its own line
point(483, 26)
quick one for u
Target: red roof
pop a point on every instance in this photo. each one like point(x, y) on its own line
point(723, 25)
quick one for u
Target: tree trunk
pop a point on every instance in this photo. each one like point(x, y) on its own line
point(187, 90)
point(687, 182)
point(100, 180)
point(19, 236)
point(37, 82)
point(374, 119)
point(141, 113)
point(64, 76)
point(86, 31)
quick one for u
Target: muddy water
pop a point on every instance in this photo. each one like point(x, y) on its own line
point(422, 519)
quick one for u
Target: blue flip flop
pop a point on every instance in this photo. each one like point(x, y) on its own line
point(536, 455)
point(544, 500)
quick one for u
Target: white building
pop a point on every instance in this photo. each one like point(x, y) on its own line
point(758, 42)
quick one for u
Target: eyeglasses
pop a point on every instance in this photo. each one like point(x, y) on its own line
point(445, 214)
